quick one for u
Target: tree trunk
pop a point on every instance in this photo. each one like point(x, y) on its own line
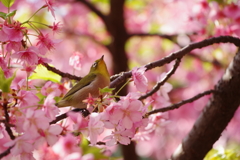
point(215, 116)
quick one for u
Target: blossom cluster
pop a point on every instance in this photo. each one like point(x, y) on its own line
point(223, 16)
point(27, 111)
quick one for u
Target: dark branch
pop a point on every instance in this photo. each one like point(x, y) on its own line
point(59, 118)
point(7, 118)
point(160, 83)
point(7, 124)
point(6, 152)
point(166, 36)
point(215, 117)
point(178, 54)
point(66, 75)
point(179, 104)
point(101, 143)
point(84, 113)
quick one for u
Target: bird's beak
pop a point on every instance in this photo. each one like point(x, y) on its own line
point(102, 57)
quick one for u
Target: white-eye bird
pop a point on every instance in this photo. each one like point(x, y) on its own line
point(98, 77)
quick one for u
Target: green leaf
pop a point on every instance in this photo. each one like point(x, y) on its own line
point(97, 152)
point(11, 14)
point(106, 90)
point(41, 72)
point(228, 154)
point(7, 3)
point(6, 82)
point(3, 15)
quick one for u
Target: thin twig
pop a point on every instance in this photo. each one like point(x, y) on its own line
point(7, 119)
point(160, 83)
point(67, 75)
point(6, 152)
point(166, 36)
point(179, 104)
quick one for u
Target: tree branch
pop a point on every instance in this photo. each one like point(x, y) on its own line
point(215, 116)
point(7, 119)
point(170, 37)
point(159, 84)
point(179, 104)
point(84, 113)
point(178, 54)
point(6, 152)
point(67, 75)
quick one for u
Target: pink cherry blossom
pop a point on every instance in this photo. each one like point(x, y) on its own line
point(76, 60)
point(232, 11)
point(15, 32)
point(164, 89)
point(29, 56)
point(20, 84)
point(95, 127)
point(27, 99)
point(35, 120)
point(131, 113)
point(74, 156)
point(45, 152)
point(3, 36)
point(51, 88)
point(42, 60)
point(159, 101)
point(56, 27)
point(124, 114)
point(50, 135)
point(80, 123)
point(29, 69)
point(49, 107)
point(66, 145)
point(45, 43)
point(131, 96)
point(16, 46)
point(3, 63)
point(21, 145)
point(161, 98)
point(112, 115)
point(4, 138)
point(139, 78)
point(118, 136)
point(90, 101)
point(50, 4)
point(6, 70)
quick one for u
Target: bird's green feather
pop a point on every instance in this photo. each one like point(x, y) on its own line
point(87, 80)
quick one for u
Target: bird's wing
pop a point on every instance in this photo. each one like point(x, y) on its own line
point(81, 84)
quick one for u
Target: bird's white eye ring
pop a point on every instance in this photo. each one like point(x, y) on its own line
point(95, 64)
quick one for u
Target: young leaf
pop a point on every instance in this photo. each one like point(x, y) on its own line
point(5, 82)
point(11, 14)
point(41, 72)
point(106, 90)
point(7, 3)
point(97, 152)
point(3, 15)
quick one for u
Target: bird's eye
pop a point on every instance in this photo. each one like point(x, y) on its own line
point(94, 64)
